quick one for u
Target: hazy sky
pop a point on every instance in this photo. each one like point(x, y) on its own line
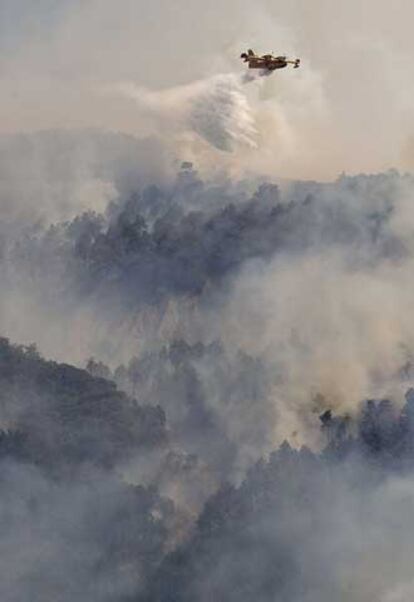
point(348, 108)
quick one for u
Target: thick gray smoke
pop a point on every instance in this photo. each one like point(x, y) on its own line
point(300, 525)
point(287, 277)
point(54, 175)
point(206, 389)
point(223, 317)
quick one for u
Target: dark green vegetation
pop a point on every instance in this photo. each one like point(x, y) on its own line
point(60, 416)
point(92, 536)
point(157, 478)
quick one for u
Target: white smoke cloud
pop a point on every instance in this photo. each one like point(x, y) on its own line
point(56, 174)
point(334, 329)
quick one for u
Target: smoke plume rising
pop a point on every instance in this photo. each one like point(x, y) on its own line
point(206, 389)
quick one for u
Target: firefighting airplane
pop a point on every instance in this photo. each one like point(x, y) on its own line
point(267, 62)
